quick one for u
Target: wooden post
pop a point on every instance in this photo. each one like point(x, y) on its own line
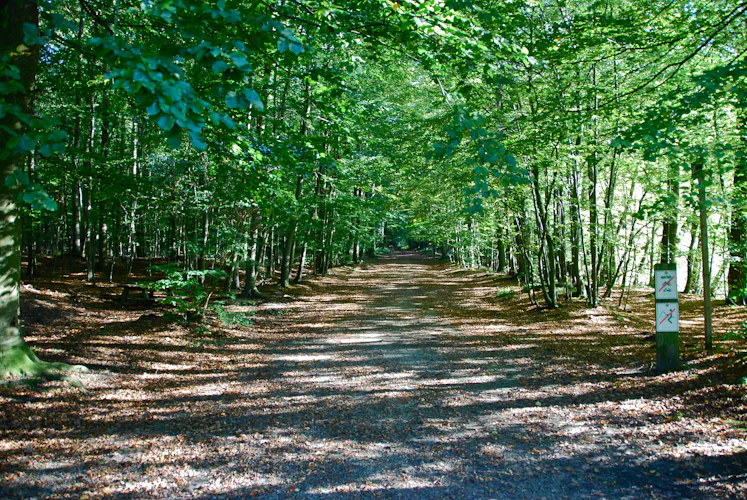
point(667, 317)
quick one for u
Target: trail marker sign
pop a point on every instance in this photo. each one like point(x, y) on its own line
point(665, 281)
point(667, 317)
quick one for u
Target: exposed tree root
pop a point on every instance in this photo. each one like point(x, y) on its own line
point(20, 361)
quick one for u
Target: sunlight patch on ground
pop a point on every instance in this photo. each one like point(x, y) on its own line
point(466, 379)
point(288, 408)
point(364, 338)
point(301, 358)
point(169, 367)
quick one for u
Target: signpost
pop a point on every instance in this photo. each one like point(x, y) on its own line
point(667, 317)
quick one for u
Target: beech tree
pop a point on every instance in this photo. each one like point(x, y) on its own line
point(267, 141)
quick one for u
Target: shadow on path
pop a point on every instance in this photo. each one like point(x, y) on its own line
point(386, 381)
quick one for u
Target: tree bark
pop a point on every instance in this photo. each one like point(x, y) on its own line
point(290, 241)
point(691, 261)
point(699, 174)
point(737, 277)
point(16, 358)
point(250, 288)
point(302, 261)
point(669, 238)
point(575, 236)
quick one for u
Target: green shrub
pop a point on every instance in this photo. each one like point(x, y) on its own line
point(505, 293)
point(185, 290)
point(232, 318)
point(738, 334)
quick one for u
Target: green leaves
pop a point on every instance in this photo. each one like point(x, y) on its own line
point(16, 179)
point(287, 41)
point(186, 292)
point(219, 67)
point(254, 99)
point(240, 62)
point(485, 152)
point(29, 193)
point(166, 122)
point(233, 100)
point(31, 35)
point(243, 100)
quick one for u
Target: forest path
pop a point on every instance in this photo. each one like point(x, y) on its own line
point(405, 378)
point(400, 380)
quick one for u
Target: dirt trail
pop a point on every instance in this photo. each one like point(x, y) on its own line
point(396, 380)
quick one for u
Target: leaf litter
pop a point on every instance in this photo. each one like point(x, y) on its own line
point(405, 378)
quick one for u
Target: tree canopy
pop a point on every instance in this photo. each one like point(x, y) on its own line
point(564, 142)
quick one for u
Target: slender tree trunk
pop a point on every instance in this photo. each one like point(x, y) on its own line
point(691, 260)
point(561, 261)
point(250, 288)
point(593, 280)
point(229, 283)
point(669, 239)
point(90, 235)
point(609, 235)
point(302, 261)
point(699, 174)
point(271, 252)
point(88, 213)
point(205, 234)
point(546, 251)
point(290, 241)
point(501, 261)
point(575, 238)
point(262, 254)
point(592, 164)
point(75, 224)
point(737, 277)
point(31, 243)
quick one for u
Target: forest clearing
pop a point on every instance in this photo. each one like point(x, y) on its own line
point(403, 378)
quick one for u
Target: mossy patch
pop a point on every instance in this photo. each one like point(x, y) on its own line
point(20, 361)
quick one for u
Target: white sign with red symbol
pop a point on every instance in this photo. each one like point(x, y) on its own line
point(666, 284)
point(667, 317)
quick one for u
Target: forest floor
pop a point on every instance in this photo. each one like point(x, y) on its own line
point(403, 378)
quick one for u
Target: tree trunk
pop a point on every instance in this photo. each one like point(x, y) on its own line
point(669, 238)
point(31, 243)
point(290, 241)
point(271, 253)
point(737, 277)
point(699, 174)
point(16, 358)
point(205, 234)
point(88, 212)
point(691, 261)
point(250, 288)
point(500, 265)
point(593, 279)
point(575, 238)
point(302, 261)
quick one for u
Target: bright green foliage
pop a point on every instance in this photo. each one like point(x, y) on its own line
point(549, 140)
point(30, 193)
point(740, 334)
point(185, 290)
point(231, 318)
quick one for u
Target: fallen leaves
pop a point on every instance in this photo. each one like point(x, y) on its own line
point(395, 378)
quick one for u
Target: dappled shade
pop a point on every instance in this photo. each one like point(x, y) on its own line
point(407, 377)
